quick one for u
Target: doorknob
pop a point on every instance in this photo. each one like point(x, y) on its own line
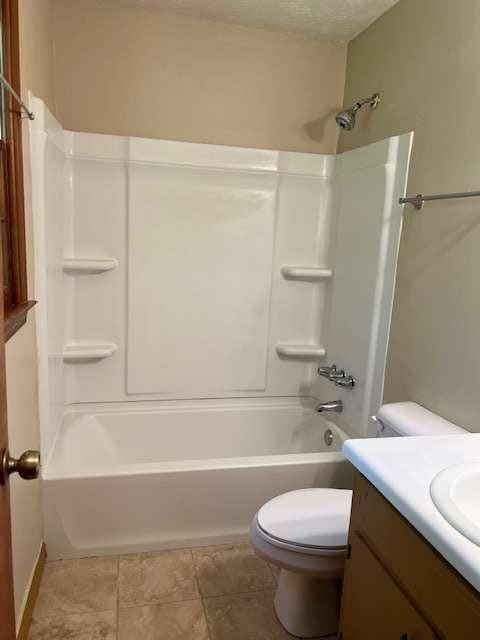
point(27, 465)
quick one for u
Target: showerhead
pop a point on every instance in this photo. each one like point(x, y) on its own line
point(346, 119)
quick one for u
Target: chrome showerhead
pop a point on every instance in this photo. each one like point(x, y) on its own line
point(346, 119)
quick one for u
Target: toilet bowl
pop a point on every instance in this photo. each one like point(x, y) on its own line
point(304, 533)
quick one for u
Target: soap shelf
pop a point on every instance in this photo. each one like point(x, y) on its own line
point(288, 350)
point(89, 265)
point(87, 352)
point(315, 274)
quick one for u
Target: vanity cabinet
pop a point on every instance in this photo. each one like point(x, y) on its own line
point(396, 586)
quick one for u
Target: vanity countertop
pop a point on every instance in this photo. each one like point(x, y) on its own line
point(402, 469)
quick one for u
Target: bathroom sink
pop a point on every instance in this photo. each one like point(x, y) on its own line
point(455, 492)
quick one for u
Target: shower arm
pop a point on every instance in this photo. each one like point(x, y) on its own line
point(372, 101)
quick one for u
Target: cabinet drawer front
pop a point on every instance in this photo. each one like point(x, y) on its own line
point(443, 597)
point(373, 606)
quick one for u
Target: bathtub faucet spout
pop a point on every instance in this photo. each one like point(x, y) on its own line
point(335, 406)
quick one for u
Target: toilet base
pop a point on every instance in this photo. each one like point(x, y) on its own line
point(308, 607)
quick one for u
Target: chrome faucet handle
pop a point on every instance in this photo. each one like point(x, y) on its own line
point(346, 381)
point(327, 371)
point(337, 375)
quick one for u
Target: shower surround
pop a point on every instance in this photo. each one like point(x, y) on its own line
point(187, 293)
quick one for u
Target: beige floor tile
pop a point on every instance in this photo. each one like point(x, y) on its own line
point(77, 586)
point(246, 616)
point(155, 578)
point(79, 626)
point(176, 621)
point(227, 569)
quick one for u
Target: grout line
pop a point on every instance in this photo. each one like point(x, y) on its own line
point(275, 576)
point(197, 579)
point(239, 593)
point(159, 604)
point(92, 612)
point(156, 603)
point(175, 601)
point(209, 631)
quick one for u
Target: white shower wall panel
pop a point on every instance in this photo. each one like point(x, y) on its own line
point(302, 238)
point(200, 264)
point(99, 301)
point(51, 169)
point(368, 220)
point(251, 212)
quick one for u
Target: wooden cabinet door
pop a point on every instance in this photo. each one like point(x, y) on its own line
point(373, 606)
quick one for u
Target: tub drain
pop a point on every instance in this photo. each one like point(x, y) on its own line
point(328, 437)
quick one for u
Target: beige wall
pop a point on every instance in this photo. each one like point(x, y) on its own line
point(149, 74)
point(424, 59)
point(36, 66)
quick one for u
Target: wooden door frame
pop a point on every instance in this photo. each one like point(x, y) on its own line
point(17, 303)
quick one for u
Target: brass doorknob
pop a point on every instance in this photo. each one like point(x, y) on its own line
point(27, 465)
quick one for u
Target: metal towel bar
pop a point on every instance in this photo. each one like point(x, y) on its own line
point(419, 200)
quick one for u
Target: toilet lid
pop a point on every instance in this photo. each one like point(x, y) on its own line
point(316, 518)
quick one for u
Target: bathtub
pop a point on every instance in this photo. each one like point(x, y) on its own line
point(179, 474)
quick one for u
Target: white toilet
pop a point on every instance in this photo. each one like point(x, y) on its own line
point(305, 532)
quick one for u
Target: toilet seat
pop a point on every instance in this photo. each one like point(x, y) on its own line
point(309, 521)
point(322, 564)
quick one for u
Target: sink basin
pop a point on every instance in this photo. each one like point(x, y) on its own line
point(455, 492)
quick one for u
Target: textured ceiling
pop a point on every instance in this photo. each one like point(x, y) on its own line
point(335, 19)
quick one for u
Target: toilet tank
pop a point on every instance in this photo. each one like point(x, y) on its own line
point(411, 419)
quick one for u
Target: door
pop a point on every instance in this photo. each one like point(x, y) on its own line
point(27, 466)
point(384, 612)
point(7, 609)
point(14, 304)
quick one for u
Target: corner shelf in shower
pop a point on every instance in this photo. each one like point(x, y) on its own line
point(304, 351)
point(76, 352)
point(89, 265)
point(314, 274)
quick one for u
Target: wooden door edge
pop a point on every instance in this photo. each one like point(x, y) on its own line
point(32, 594)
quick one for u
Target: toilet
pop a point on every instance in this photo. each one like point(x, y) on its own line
point(304, 533)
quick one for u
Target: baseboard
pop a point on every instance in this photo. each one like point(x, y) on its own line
point(32, 595)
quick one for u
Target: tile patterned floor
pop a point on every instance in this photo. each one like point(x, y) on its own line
point(223, 592)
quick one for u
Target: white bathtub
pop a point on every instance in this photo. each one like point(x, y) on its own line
point(179, 474)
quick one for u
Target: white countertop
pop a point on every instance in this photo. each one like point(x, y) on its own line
point(402, 469)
